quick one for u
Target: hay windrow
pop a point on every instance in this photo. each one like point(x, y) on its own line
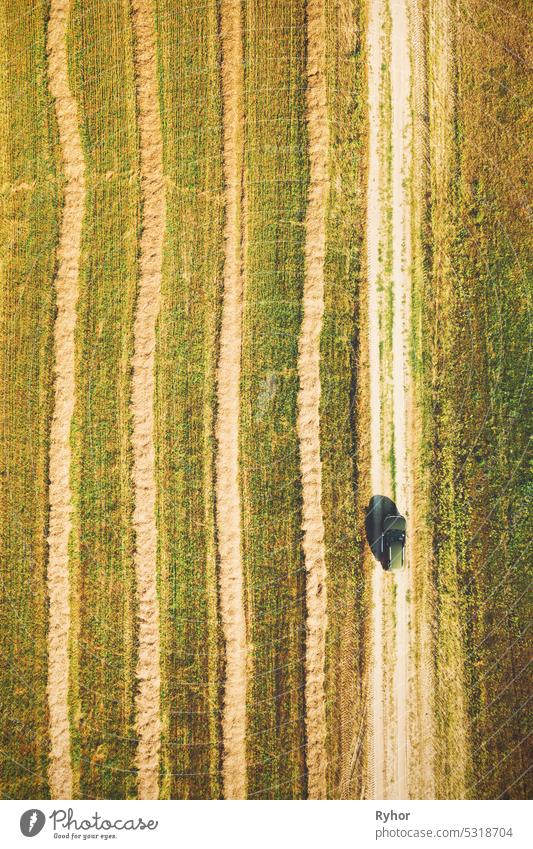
point(148, 721)
point(60, 495)
point(308, 424)
point(228, 502)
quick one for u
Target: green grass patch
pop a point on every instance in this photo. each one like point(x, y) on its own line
point(343, 488)
point(103, 650)
point(276, 181)
point(30, 198)
point(187, 341)
point(472, 360)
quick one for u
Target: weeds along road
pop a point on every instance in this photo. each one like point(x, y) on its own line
point(388, 257)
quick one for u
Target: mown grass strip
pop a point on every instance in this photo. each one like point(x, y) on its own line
point(473, 366)
point(103, 647)
point(30, 200)
point(450, 709)
point(343, 406)
point(491, 309)
point(421, 732)
point(187, 342)
point(276, 185)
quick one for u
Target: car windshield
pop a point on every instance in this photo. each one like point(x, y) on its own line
point(396, 536)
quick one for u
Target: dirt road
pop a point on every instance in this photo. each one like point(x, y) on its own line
point(388, 233)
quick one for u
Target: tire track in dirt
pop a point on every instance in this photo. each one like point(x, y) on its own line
point(147, 702)
point(60, 495)
point(373, 234)
point(227, 489)
point(308, 423)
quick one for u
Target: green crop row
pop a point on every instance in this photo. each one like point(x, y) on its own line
point(102, 650)
point(187, 342)
point(474, 367)
point(30, 197)
point(276, 172)
point(344, 410)
point(493, 322)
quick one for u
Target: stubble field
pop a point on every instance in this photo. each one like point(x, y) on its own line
point(188, 606)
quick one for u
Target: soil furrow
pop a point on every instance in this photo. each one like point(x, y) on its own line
point(401, 271)
point(60, 495)
point(309, 400)
point(228, 501)
point(148, 721)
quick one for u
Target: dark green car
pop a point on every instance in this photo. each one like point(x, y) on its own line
point(392, 543)
point(385, 532)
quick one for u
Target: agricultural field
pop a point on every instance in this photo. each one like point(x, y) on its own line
point(260, 261)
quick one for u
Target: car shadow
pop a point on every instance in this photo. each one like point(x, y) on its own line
point(379, 507)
